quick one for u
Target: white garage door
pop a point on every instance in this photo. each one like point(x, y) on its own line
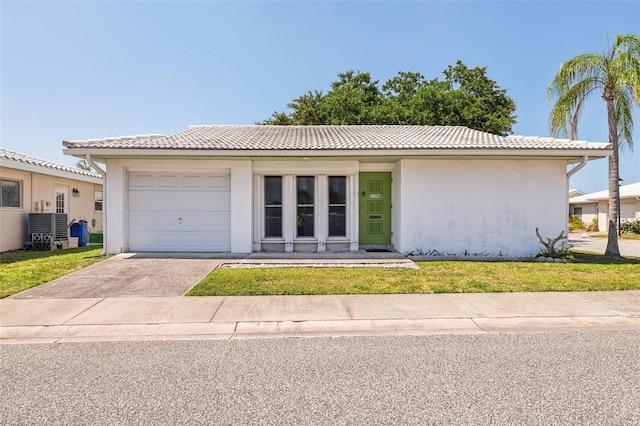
point(179, 212)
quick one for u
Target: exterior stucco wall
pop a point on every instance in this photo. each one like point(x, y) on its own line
point(603, 213)
point(117, 187)
point(38, 187)
point(78, 208)
point(479, 206)
point(14, 221)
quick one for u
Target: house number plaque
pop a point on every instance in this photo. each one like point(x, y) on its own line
point(374, 195)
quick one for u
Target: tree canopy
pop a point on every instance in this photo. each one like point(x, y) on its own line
point(464, 97)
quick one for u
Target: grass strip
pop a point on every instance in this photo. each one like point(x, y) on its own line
point(620, 237)
point(20, 270)
point(590, 272)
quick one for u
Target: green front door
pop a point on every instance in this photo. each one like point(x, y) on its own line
point(375, 208)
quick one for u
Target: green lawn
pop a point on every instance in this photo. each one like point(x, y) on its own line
point(621, 237)
point(589, 272)
point(20, 270)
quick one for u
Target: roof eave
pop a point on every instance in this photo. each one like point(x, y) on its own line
point(32, 168)
point(103, 153)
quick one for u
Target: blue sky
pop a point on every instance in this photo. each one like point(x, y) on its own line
point(78, 70)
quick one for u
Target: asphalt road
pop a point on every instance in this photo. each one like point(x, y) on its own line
point(516, 379)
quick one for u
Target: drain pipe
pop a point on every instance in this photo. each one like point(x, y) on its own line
point(104, 202)
point(570, 173)
point(578, 167)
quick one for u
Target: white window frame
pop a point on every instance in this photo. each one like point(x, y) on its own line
point(313, 237)
point(321, 209)
point(65, 200)
point(346, 209)
point(20, 194)
point(95, 200)
point(264, 207)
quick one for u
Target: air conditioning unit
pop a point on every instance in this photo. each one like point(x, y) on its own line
point(45, 229)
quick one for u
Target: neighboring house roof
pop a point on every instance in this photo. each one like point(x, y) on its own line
point(575, 193)
point(15, 160)
point(626, 191)
point(332, 138)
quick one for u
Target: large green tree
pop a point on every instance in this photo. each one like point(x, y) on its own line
point(465, 97)
point(615, 75)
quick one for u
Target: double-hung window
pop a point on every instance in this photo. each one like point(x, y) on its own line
point(305, 206)
point(337, 206)
point(97, 201)
point(11, 193)
point(273, 206)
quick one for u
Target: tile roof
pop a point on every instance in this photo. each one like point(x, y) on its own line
point(271, 138)
point(44, 164)
point(626, 191)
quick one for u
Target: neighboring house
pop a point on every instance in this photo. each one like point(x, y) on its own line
point(333, 188)
point(596, 206)
point(30, 185)
point(575, 193)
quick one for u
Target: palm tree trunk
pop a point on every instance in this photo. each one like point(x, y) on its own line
point(614, 179)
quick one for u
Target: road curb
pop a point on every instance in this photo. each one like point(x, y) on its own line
point(332, 328)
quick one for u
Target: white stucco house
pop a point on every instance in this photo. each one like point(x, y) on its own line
point(227, 188)
point(32, 185)
point(595, 205)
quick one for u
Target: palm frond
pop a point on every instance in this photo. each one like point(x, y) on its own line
point(576, 119)
point(627, 48)
point(624, 118)
point(581, 67)
point(564, 115)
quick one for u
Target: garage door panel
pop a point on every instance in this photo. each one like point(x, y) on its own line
point(177, 200)
point(139, 180)
point(172, 241)
point(179, 221)
point(179, 212)
point(214, 221)
point(163, 182)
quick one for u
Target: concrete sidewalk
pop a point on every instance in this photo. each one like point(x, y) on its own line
point(148, 318)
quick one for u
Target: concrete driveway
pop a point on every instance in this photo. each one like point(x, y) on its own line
point(127, 275)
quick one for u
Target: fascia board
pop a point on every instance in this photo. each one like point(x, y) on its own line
point(404, 153)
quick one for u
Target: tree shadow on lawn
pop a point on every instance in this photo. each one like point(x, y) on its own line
point(595, 258)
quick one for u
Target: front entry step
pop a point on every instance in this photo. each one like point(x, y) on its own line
point(379, 248)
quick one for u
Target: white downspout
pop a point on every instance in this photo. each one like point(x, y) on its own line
point(578, 167)
point(570, 173)
point(104, 202)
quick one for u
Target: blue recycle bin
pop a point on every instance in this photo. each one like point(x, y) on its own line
point(79, 229)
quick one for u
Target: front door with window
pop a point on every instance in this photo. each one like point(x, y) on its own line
point(375, 208)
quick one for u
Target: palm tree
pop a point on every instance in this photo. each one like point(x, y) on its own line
point(614, 74)
point(83, 165)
